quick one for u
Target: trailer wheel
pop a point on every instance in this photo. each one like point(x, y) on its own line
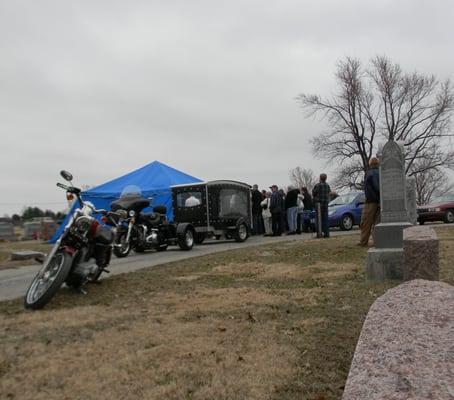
point(199, 237)
point(186, 240)
point(241, 233)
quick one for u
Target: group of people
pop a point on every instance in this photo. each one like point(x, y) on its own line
point(277, 212)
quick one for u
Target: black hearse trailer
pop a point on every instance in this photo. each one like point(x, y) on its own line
point(214, 208)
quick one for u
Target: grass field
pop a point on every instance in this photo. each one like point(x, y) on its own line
point(6, 248)
point(271, 322)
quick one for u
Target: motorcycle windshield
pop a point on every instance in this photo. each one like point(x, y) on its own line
point(131, 198)
point(131, 191)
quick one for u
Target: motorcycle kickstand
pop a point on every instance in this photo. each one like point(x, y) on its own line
point(80, 290)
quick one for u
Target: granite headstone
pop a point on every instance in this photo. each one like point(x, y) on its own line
point(7, 231)
point(385, 261)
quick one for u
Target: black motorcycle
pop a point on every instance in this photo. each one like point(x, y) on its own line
point(80, 255)
point(145, 231)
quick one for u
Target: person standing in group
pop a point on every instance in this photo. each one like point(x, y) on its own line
point(300, 215)
point(276, 211)
point(257, 228)
point(284, 227)
point(320, 194)
point(291, 207)
point(308, 209)
point(266, 215)
point(371, 211)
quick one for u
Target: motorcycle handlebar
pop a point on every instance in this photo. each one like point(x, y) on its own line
point(70, 189)
point(60, 185)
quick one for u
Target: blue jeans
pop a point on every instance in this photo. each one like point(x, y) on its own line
point(257, 224)
point(292, 214)
point(324, 219)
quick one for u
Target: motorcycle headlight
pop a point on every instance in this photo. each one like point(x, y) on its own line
point(122, 214)
point(83, 224)
point(132, 213)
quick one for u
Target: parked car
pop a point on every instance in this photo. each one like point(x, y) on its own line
point(214, 208)
point(440, 209)
point(345, 210)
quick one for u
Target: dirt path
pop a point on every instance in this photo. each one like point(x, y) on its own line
point(14, 282)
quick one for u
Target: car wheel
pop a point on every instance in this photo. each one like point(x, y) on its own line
point(449, 217)
point(346, 222)
point(422, 222)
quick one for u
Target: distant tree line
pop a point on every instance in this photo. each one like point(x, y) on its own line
point(29, 213)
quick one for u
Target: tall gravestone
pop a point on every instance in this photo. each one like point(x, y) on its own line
point(385, 261)
point(411, 201)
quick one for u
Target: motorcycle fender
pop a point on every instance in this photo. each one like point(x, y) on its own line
point(181, 228)
point(243, 221)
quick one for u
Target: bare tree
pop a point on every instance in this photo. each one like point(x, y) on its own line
point(417, 111)
point(301, 177)
point(382, 103)
point(431, 183)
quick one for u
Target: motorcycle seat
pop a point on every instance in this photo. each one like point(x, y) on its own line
point(152, 218)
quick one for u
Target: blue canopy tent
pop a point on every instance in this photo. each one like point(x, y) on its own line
point(154, 180)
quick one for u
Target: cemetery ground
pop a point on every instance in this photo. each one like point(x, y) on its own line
point(278, 321)
point(7, 247)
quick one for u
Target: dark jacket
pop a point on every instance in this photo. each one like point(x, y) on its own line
point(307, 201)
point(321, 193)
point(372, 186)
point(276, 203)
point(291, 200)
point(256, 200)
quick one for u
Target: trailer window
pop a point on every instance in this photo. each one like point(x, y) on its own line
point(233, 203)
point(189, 199)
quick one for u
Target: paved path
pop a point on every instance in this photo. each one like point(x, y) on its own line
point(14, 282)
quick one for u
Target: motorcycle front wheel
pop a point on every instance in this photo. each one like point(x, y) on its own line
point(47, 282)
point(122, 247)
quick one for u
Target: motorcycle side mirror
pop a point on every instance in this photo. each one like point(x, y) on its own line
point(67, 176)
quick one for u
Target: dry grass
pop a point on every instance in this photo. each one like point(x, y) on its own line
point(235, 325)
point(6, 248)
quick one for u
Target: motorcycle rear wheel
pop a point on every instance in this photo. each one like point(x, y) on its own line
point(46, 284)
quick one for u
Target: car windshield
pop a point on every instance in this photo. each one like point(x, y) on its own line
point(442, 199)
point(343, 199)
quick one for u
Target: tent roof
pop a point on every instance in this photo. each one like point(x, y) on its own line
point(152, 177)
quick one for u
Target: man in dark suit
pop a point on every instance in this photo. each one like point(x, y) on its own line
point(320, 194)
point(276, 211)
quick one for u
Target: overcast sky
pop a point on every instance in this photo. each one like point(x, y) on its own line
point(101, 88)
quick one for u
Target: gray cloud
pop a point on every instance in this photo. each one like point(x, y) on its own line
point(104, 87)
